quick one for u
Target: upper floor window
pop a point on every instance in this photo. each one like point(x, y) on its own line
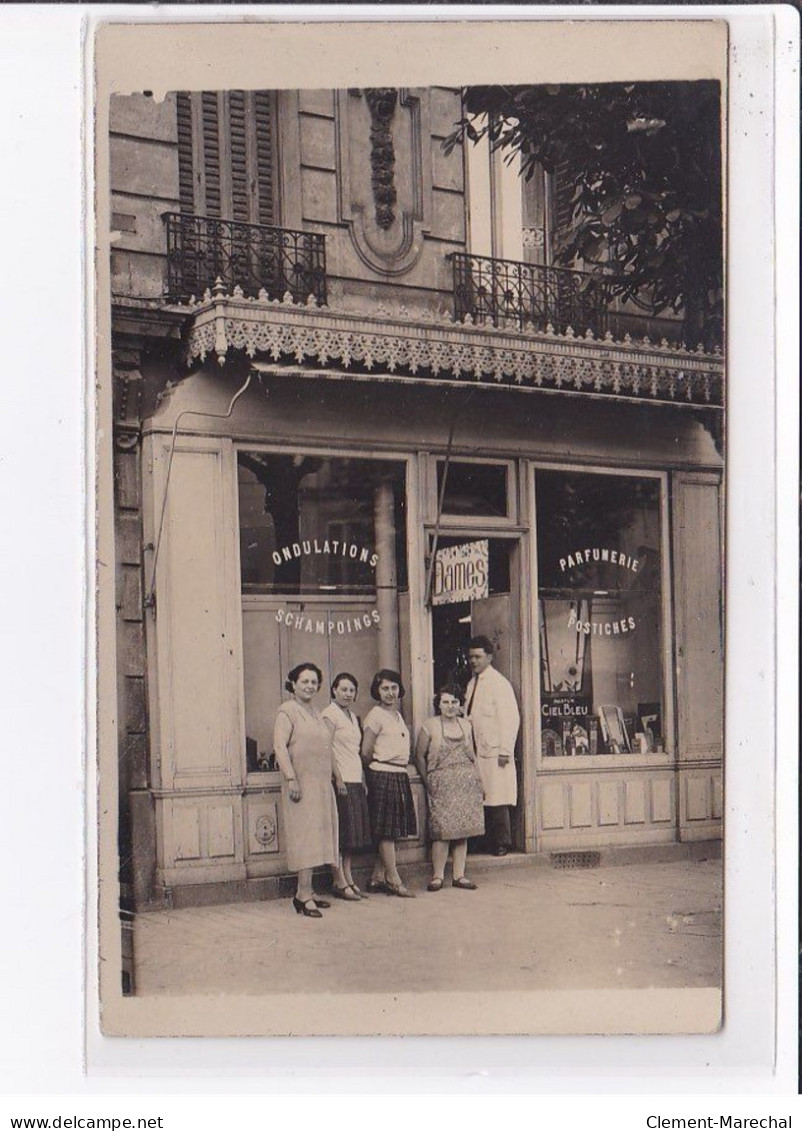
point(228, 155)
point(511, 217)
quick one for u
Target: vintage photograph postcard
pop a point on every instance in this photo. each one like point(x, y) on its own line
point(411, 464)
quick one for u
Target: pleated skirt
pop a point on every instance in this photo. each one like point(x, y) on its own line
point(354, 819)
point(392, 810)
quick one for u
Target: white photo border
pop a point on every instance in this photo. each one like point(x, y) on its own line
point(761, 966)
point(748, 1036)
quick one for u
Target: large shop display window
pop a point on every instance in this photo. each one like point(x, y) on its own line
point(324, 577)
point(600, 614)
point(312, 524)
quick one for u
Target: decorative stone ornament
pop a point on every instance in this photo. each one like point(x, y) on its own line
point(534, 237)
point(382, 101)
point(385, 200)
point(265, 830)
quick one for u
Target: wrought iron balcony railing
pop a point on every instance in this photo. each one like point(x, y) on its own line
point(255, 257)
point(503, 292)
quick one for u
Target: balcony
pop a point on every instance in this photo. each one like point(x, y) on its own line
point(261, 260)
point(511, 295)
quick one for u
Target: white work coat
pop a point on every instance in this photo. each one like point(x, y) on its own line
point(495, 718)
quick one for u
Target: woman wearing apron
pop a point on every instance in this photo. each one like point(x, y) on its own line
point(446, 760)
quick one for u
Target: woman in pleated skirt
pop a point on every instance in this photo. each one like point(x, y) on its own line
point(352, 805)
point(386, 751)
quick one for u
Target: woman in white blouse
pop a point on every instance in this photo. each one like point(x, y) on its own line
point(386, 751)
point(352, 805)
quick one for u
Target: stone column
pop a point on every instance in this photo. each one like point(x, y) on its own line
point(386, 575)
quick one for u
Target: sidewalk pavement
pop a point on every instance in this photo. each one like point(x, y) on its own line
point(527, 927)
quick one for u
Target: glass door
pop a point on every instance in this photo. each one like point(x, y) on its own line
point(494, 615)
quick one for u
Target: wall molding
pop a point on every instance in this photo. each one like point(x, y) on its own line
point(388, 239)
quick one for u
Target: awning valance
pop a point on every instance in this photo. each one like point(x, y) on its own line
point(286, 333)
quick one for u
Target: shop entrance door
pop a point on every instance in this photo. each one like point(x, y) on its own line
point(491, 618)
point(496, 616)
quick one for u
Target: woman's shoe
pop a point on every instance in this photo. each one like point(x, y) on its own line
point(347, 893)
point(323, 904)
point(305, 909)
point(399, 890)
point(359, 893)
point(435, 884)
point(375, 886)
point(465, 884)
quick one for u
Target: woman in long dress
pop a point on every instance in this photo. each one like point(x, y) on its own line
point(352, 804)
point(446, 759)
point(302, 745)
point(386, 753)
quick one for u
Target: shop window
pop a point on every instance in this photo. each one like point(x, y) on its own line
point(474, 489)
point(600, 614)
point(324, 579)
point(312, 524)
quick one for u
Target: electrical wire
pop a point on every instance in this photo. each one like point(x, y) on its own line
point(442, 494)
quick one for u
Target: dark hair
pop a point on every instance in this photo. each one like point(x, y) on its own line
point(448, 689)
point(391, 677)
point(481, 642)
point(335, 683)
point(295, 675)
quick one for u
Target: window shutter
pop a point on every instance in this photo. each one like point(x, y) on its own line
point(239, 156)
point(699, 656)
point(698, 615)
point(186, 181)
point(227, 160)
point(563, 198)
point(210, 124)
point(266, 157)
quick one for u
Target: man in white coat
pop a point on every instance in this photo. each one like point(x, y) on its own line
point(490, 705)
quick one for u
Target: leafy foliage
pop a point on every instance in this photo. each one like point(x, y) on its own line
point(644, 163)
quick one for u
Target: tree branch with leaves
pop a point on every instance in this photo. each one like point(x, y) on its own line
point(644, 166)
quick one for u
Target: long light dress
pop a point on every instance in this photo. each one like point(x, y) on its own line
point(310, 825)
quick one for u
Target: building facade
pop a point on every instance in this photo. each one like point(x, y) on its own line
point(339, 353)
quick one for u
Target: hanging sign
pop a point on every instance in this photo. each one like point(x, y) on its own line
point(461, 573)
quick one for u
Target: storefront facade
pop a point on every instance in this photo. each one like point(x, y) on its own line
point(292, 459)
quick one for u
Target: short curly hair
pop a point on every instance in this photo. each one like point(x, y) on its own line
point(335, 683)
point(391, 677)
point(295, 675)
point(448, 689)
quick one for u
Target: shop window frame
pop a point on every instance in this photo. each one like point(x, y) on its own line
point(269, 781)
point(462, 522)
point(327, 452)
point(514, 528)
point(627, 761)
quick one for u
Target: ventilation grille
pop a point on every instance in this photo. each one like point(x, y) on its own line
point(575, 859)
